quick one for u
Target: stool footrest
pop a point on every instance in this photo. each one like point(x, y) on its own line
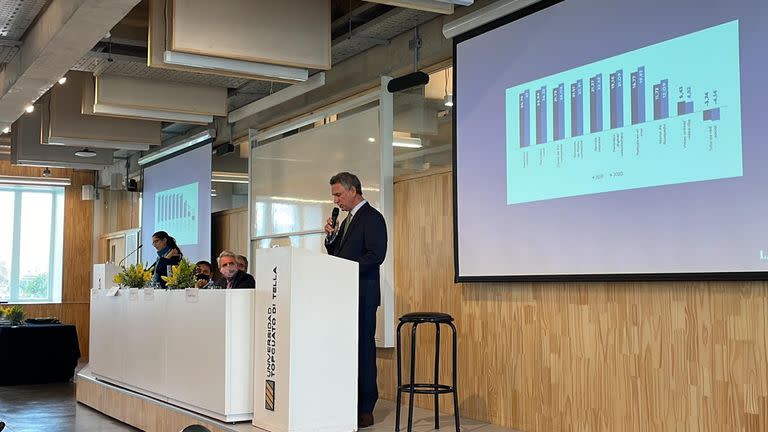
point(426, 388)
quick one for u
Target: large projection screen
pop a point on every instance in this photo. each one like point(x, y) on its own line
point(613, 140)
point(177, 200)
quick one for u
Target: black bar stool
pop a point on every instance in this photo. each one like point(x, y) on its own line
point(433, 388)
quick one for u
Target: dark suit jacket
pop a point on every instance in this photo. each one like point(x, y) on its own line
point(365, 243)
point(240, 280)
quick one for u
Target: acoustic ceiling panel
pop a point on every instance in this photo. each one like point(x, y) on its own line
point(69, 126)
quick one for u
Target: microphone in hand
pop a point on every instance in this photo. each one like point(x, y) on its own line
point(331, 235)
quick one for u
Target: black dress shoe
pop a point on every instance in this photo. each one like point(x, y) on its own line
point(364, 420)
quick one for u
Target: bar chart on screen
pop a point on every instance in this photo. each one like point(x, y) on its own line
point(176, 213)
point(665, 114)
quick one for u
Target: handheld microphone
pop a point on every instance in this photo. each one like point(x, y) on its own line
point(126, 257)
point(334, 217)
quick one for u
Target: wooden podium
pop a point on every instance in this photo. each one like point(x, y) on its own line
point(305, 344)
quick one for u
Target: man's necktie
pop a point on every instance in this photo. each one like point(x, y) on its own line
point(347, 221)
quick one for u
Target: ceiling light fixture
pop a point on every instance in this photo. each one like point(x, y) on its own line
point(229, 65)
point(35, 181)
point(371, 139)
point(407, 142)
point(448, 100)
point(62, 80)
point(180, 145)
point(85, 153)
point(229, 177)
point(29, 108)
point(6, 129)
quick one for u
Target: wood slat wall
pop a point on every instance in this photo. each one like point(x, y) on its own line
point(77, 254)
point(542, 357)
point(230, 232)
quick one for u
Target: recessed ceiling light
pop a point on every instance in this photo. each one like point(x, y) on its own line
point(86, 153)
point(371, 139)
point(62, 80)
point(29, 108)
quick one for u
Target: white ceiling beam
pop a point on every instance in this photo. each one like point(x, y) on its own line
point(63, 33)
point(286, 94)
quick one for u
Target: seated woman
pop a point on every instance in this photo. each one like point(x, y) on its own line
point(168, 254)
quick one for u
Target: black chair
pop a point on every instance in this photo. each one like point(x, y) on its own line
point(434, 388)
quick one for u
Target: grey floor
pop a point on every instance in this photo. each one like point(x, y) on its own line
point(51, 407)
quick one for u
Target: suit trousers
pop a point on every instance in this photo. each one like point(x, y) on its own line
point(367, 390)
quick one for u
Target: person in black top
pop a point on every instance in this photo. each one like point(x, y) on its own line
point(168, 254)
point(232, 276)
point(361, 237)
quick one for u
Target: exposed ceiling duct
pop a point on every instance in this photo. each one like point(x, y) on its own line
point(62, 33)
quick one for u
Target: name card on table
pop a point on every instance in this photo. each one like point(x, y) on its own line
point(133, 294)
point(113, 291)
point(149, 294)
point(191, 294)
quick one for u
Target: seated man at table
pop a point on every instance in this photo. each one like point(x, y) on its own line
point(233, 277)
point(204, 275)
point(242, 263)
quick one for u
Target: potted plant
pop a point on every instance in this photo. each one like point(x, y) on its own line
point(135, 276)
point(15, 314)
point(182, 276)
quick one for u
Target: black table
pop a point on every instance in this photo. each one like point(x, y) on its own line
point(38, 353)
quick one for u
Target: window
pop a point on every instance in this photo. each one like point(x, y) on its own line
point(31, 243)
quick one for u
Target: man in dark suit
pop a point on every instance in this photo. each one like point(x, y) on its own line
point(233, 277)
point(361, 237)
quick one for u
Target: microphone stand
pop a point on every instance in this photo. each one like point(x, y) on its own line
point(120, 264)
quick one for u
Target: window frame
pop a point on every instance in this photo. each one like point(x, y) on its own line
point(14, 288)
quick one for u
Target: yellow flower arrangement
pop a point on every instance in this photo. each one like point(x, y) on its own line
point(14, 314)
point(135, 276)
point(182, 275)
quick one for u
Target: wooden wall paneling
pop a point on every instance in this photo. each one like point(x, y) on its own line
point(78, 240)
point(230, 231)
point(629, 356)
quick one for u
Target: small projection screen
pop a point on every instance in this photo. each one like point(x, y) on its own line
point(177, 200)
point(613, 140)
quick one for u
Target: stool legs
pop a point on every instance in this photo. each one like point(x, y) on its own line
point(455, 392)
point(411, 387)
point(413, 376)
point(437, 374)
point(399, 380)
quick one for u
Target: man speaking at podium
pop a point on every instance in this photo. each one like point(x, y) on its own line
point(362, 237)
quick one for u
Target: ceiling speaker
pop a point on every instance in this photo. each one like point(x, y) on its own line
point(413, 79)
